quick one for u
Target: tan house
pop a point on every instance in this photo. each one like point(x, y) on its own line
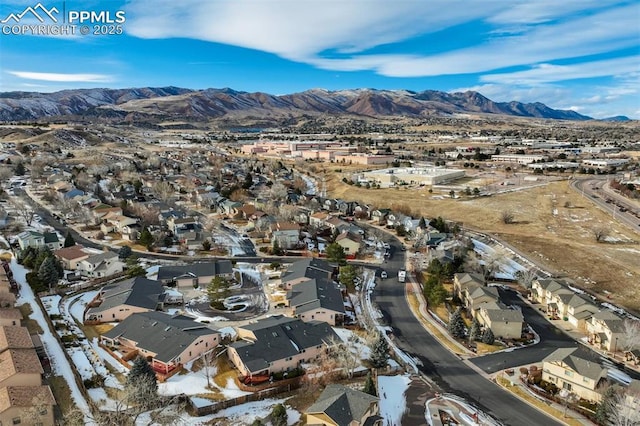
point(574, 370)
point(340, 405)
point(116, 302)
point(166, 341)
point(286, 234)
point(579, 311)
point(26, 405)
point(10, 317)
point(100, 265)
point(20, 367)
point(606, 330)
point(542, 289)
point(463, 281)
point(475, 297)
point(351, 243)
point(278, 343)
point(195, 274)
point(504, 323)
point(317, 300)
point(305, 270)
point(14, 337)
point(71, 256)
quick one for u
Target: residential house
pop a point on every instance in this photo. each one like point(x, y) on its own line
point(318, 219)
point(505, 323)
point(340, 405)
point(379, 216)
point(20, 367)
point(116, 223)
point(475, 297)
point(605, 330)
point(166, 341)
point(116, 302)
point(576, 309)
point(317, 300)
point(287, 234)
point(304, 270)
point(14, 337)
point(229, 208)
point(576, 371)
point(278, 343)
point(10, 317)
point(30, 239)
point(17, 405)
point(462, 281)
point(100, 265)
point(350, 242)
point(71, 256)
point(195, 274)
point(542, 290)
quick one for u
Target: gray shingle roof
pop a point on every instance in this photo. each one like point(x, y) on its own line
point(580, 361)
point(206, 269)
point(342, 404)
point(316, 293)
point(138, 291)
point(310, 268)
point(161, 333)
point(280, 337)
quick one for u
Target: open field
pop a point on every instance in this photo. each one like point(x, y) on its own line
point(563, 243)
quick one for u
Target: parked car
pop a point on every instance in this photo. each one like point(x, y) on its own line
point(383, 275)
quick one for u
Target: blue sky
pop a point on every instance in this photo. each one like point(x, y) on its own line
point(571, 54)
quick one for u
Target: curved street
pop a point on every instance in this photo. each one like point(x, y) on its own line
point(447, 370)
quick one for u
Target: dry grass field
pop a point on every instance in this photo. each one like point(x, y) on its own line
point(563, 243)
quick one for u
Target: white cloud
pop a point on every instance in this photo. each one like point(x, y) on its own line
point(314, 31)
point(62, 77)
point(544, 73)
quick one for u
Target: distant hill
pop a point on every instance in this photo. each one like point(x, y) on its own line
point(617, 118)
point(174, 102)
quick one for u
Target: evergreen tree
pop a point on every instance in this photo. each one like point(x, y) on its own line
point(141, 383)
point(218, 290)
point(488, 337)
point(276, 250)
point(69, 241)
point(134, 269)
point(456, 324)
point(369, 386)
point(146, 239)
point(474, 331)
point(47, 272)
point(125, 252)
point(380, 352)
point(279, 415)
point(335, 253)
point(20, 170)
point(347, 276)
point(206, 245)
point(248, 181)
point(423, 223)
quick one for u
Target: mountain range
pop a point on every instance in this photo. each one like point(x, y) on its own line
point(178, 103)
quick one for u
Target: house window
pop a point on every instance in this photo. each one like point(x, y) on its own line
point(568, 373)
point(17, 421)
point(585, 379)
point(566, 386)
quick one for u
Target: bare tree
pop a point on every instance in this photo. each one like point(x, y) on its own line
point(163, 191)
point(85, 215)
point(300, 185)
point(525, 278)
point(208, 360)
point(631, 334)
point(24, 210)
point(622, 409)
point(278, 192)
point(507, 217)
point(148, 215)
point(5, 173)
point(600, 233)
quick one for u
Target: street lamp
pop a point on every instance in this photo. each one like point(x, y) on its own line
point(615, 348)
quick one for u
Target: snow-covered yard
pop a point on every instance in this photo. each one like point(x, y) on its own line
point(393, 403)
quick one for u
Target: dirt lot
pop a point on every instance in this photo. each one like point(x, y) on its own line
point(553, 224)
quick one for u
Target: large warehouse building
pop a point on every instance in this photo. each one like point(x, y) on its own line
point(412, 176)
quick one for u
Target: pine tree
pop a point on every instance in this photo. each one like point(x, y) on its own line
point(488, 337)
point(380, 352)
point(124, 252)
point(279, 415)
point(47, 272)
point(141, 383)
point(456, 324)
point(474, 331)
point(146, 239)
point(335, 253)
point(218, 290)
point(69, 241)
point(423, 223)
point(369, 386)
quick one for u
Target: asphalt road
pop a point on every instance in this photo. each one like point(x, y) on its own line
point(596, 189)
point(447, 370)
point(551, 338)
